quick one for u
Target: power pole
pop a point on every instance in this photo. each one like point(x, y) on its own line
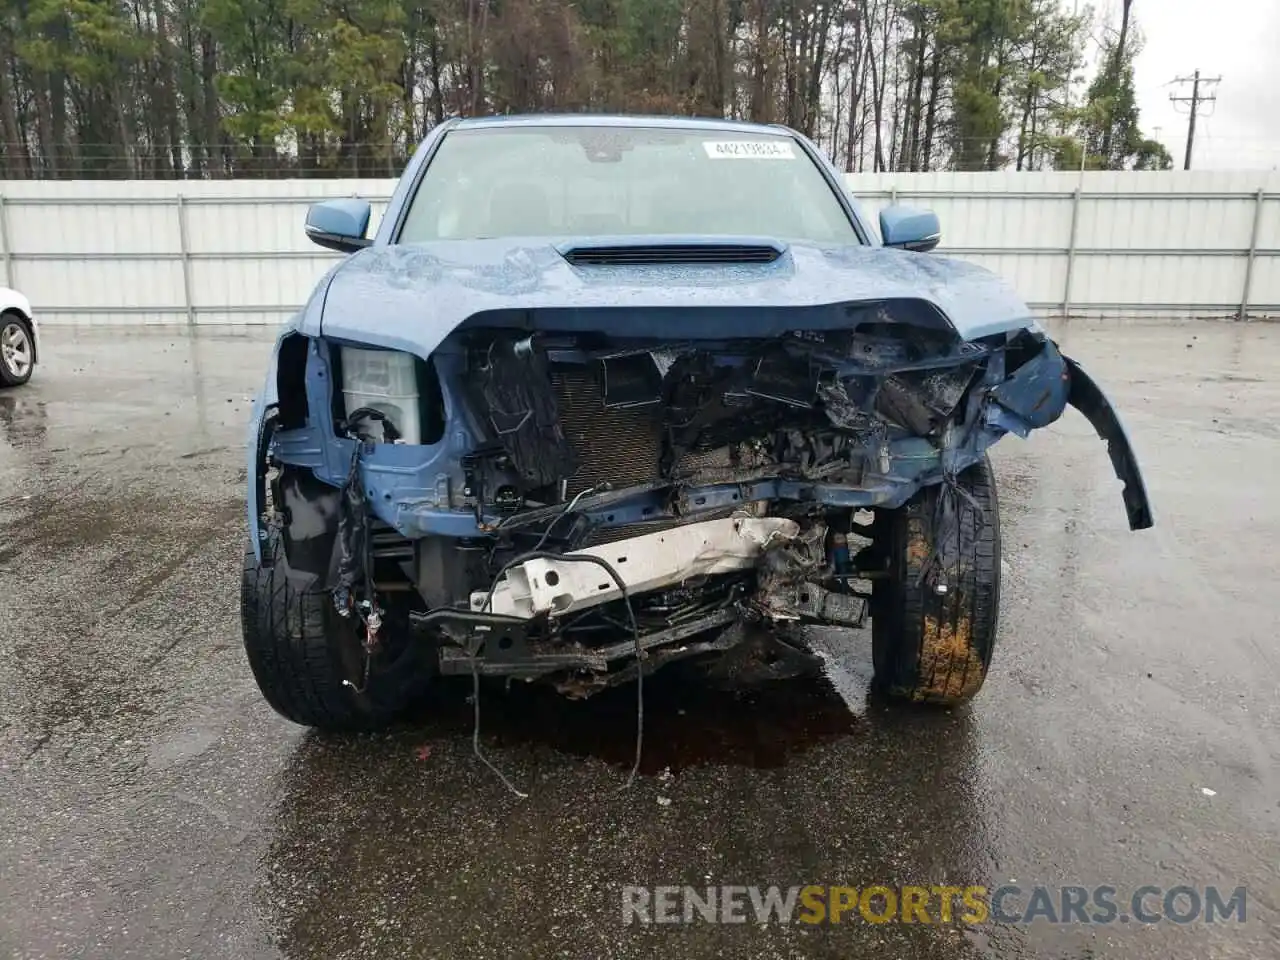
point(1195, 100)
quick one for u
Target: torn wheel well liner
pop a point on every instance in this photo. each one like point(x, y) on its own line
point(310, 510)
point(291, 382)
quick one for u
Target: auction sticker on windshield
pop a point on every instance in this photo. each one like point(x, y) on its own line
point(749, 149)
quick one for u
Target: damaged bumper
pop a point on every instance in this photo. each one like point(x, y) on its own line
point(504, 632)
point(550, 586)
point(575, 486)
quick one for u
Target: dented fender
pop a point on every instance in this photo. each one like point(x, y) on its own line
point(1090, 399)
point(1036, 394)
point(1037, 391)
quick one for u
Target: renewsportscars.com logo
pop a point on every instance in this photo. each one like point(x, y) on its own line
point(971, 905)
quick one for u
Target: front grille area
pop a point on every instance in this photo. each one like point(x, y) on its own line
point(622, 447)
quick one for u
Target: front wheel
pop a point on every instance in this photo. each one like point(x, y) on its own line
point(309, 661)
point(934, 612)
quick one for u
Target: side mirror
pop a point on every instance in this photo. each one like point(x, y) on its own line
point(910, 229)
point(339, 224)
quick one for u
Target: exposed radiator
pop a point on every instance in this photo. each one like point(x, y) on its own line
point(622, 447)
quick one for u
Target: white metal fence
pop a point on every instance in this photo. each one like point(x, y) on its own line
point(1114, 244)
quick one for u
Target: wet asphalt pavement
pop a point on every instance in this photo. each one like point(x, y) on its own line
point(154, 806)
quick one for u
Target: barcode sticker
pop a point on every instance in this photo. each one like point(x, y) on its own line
point(749, 149)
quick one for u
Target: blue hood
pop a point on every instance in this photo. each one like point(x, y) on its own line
point(412, 296)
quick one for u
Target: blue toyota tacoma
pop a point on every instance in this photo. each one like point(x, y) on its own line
point(607, 393)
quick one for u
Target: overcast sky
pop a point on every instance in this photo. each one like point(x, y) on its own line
point(1238, 40)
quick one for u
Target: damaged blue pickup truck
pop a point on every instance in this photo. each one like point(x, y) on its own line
point(604, 394)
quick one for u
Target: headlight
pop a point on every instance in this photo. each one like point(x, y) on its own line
point(386, 380)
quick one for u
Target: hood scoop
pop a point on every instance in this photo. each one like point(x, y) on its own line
point(645, 254)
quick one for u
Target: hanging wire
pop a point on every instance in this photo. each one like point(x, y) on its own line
point(635, 633)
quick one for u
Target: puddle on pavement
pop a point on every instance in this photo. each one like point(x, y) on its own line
point(687, 723)
point(23, 421)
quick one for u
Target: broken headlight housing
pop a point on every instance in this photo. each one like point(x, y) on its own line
point(386, 381)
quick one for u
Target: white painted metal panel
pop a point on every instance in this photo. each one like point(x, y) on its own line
point(256, 282)
point(1265, 285)
point(71, 283)
point(60, 229)
point(1190, 281)
point(1174, 243)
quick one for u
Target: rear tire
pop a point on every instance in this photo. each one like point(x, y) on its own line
point(301, 651)
point(930, 646)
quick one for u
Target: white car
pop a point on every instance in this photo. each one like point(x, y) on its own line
point(19, 338)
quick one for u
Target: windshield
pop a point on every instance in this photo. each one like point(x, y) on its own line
point(609, 181)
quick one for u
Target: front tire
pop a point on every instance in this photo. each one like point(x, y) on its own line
point(934, 616)
point(301, 651)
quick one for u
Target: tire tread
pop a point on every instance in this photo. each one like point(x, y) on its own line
point(935, 648)
point(287, 638)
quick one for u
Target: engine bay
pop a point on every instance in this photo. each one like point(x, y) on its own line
point(579, 416)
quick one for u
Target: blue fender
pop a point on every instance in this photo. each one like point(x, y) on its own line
point(1090, 399)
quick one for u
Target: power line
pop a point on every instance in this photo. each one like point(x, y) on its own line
point(1195, 100)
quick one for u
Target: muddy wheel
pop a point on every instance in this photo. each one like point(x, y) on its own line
point(933, 617)
point(301, 651)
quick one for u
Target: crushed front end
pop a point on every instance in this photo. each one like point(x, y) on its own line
point(558, 497)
